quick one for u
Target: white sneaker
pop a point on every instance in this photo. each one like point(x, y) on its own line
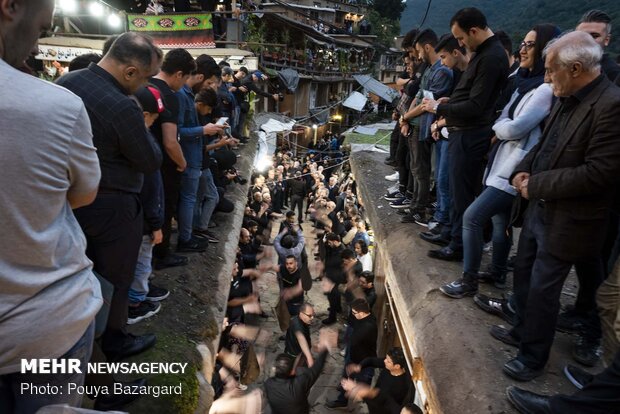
point(343, 351)
point(393, 177)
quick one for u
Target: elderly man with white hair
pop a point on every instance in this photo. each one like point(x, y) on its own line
point(567, 178)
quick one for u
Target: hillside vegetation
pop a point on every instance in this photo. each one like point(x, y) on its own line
point(514, 17)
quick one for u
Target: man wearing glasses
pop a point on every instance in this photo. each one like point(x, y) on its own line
point(297, 339)
point(598, 24)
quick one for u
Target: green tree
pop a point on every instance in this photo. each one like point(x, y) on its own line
point(390, 9)
point(384, 28)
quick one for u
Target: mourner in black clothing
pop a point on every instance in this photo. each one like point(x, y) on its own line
point(362, 345)
point(287, 392)
point(469, 115)
point(297, 338)
point(393, 389)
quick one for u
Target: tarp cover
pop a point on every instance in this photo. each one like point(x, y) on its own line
point(289, 78)
point(376, 87)
point(355, 101)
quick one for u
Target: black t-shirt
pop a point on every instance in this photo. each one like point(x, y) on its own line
point(393, 390)
point(291, 345)
point(240, 287)
point(363, 341)
point(171, 103)
point(290, 280)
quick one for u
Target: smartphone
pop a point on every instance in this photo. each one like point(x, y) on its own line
point(222, 121)
point(428, 94)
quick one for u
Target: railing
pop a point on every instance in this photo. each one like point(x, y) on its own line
point(277, 61)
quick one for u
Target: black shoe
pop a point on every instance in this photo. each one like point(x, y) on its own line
point(193, 245)
point(171, 260)
point(496, 279)
point(328, 321)
point(577, 376)
point(336, 404)
point(586, 352)
point(144, 310)
point(517, 370)
point(496, 306)
point(157, 293)
point(502, 334)
point(396, 195)
point(110, 402)
point(410, 218)
point(459, 289)
point(528, 402)
point(447, 254)
point(205, 234)
point(425, 220)
point(390, 162)
point(403, 212)
point(510, 264)
point(569, 322)
point(431, 237)
point(133, 345)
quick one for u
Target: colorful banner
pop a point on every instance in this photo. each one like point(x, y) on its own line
point(169, 22)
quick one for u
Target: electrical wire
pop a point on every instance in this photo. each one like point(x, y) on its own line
point(428, 7)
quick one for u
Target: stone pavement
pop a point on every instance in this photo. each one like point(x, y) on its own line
point(325, 387)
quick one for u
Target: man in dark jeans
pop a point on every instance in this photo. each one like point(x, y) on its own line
point(298, 191)
point(362, 345)
point(176, 68)
point(566, 177)
point(437, 79)
point(469, 113)
point(113, 222)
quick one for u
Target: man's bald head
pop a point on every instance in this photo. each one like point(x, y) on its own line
point(21, 24)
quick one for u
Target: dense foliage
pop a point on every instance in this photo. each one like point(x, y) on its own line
point(514, 17)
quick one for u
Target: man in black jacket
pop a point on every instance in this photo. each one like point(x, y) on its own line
point(333, 272)
point(287, 392)
point(567, 177)
point(298, 191)
point(598, 25)
point(362, 345)
point(469, 114)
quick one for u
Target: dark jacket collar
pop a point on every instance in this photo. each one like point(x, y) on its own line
point(108, 76)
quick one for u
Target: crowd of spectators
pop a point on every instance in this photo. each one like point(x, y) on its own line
point(520, 139)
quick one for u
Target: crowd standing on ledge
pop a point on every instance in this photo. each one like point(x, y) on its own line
point(525, 139)
point(128, 141)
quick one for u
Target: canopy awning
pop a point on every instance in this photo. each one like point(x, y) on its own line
point(374, 86)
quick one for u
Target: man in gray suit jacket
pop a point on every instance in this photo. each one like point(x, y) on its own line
point(568, 178)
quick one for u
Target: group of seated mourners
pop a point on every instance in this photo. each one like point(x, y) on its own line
point(490, 138)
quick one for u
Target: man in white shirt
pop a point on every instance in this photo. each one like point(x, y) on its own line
point(48, 293)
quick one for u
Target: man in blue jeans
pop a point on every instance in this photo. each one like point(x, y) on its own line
point(191, 134)
point(49, 295)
